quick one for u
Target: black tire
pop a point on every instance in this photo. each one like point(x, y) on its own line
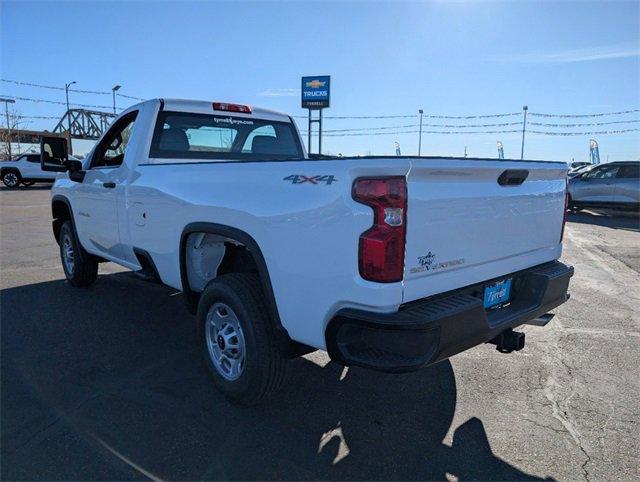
point(82, 270)
point(11, 178)
point(264, 365)
point(572, 206)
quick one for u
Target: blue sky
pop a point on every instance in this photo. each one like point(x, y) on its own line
point(447, 58)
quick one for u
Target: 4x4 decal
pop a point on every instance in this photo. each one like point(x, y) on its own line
point(300, 179)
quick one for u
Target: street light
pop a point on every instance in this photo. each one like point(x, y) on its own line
point(114, 89)
point(524, 127)
point(420, 138)
point(66, 91)
point(6, 113)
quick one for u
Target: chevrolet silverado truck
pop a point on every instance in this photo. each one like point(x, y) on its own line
point(388, 263)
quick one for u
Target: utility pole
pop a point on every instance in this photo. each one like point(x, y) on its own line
point(115, 89)
point(6, 113)
point(309, 133)
point(420, 138)
point(320, 133)
point(66, 91)
point(524, 127)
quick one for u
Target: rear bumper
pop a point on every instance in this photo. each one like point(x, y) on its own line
point(433, 329)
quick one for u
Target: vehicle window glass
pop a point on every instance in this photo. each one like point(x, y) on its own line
point(110, 152)
point(603, 172)
point(190, 137)
point(629, 172)
point(267, 130)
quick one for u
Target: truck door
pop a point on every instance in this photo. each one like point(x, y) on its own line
point(97, 197)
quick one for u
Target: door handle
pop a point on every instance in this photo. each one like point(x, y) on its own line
point(109, 185)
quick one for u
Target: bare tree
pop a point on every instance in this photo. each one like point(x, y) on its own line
point(13, 123)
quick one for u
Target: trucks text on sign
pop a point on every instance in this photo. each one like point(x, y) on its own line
point(315, 92)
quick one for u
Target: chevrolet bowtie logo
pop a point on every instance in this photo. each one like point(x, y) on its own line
point(314, 84)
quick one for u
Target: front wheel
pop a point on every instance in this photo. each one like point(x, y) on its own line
point(11, 179)
point(238, 339)
point(80, 268)
point(572, 206)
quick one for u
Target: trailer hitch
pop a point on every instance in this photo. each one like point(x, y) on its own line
point(508, 341)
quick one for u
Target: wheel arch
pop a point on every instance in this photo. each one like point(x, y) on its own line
point(61, 211)
point(289, 347)
point(231, 233)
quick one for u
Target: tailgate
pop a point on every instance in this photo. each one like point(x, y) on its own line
point(463, 227)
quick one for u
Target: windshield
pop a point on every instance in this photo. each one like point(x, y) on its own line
point(192, 137)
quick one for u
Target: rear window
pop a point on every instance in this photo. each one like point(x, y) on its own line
point(202, 137)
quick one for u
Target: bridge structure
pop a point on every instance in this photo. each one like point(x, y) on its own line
point(84, 124)
point(74, 124)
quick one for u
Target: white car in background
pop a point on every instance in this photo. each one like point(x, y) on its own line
point(25, 170)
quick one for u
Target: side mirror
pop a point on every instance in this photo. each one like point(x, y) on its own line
point(76, 173)
point(53, 154)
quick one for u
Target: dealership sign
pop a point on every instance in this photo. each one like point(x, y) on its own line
point(315, 92)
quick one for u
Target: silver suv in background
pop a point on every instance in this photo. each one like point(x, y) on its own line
point(611, 185)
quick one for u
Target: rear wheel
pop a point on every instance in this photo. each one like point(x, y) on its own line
point(238, 340)
point(11, 179)
point(80, 268)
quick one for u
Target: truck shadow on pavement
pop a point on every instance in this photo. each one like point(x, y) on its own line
point(106, 383)
point(606, 218)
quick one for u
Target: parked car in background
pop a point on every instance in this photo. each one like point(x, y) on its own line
point(25, 169)
point(579, 170)
point(577, 164)
point(611, 185)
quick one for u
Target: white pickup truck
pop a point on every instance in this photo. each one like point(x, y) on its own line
point(389, 263)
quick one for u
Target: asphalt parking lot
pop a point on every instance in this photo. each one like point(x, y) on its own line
point(105, 383)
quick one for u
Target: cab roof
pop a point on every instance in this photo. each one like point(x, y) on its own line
point(206, 107)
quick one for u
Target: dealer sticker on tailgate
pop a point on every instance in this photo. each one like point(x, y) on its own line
point(497, 293)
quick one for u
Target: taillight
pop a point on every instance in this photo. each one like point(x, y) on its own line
point(245, 109)
point(381, 248)
point(566, 208)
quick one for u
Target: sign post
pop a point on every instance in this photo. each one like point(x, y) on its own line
point(315, 96)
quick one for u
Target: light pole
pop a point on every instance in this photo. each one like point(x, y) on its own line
point(6, 113)
point(115, 89)
point(420, 137)
point(66, 91)
point(524, 127)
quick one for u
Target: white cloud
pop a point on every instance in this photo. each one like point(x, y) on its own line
point(280, 93)
point(605, 52)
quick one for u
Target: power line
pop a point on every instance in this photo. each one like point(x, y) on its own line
point(599, 133)
point(544, 133)
point(77, 91)
point(601, 114)
point(424, 132)
point(129, 96)
point(33, 116)
point(468, 126)
point(414, 116)
point(584, 124)
point(45, 101)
